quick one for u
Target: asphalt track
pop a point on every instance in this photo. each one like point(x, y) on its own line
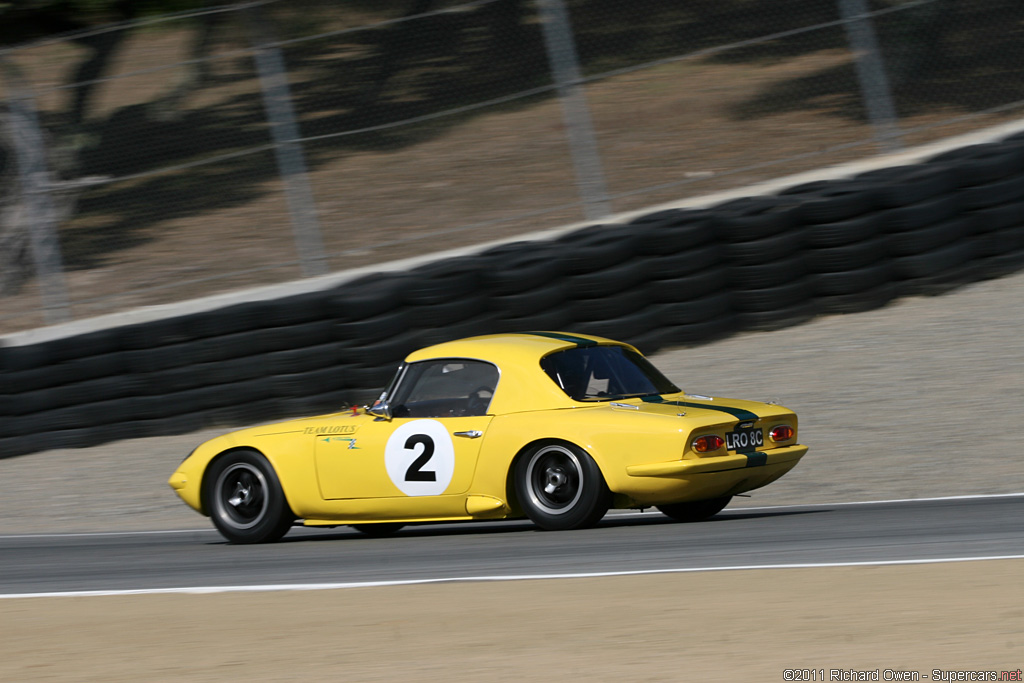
point(879, 532)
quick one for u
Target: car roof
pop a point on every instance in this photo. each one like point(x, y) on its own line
point(526, 346)
point(523, 385)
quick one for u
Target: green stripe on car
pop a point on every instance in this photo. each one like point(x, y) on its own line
point(578, 341)
point(738, 413)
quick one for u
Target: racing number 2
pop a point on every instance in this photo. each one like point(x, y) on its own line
point(420, 458)
point(416, 471)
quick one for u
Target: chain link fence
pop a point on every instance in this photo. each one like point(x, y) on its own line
point(175, 157)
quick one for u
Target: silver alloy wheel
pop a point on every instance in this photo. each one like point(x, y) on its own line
point(241, 496)
point(554, 479)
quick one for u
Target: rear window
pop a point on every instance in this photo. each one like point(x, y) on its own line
point(605, 373)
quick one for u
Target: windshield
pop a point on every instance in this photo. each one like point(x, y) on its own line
point(605, 373)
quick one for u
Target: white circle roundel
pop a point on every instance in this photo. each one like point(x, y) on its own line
point(420, 458)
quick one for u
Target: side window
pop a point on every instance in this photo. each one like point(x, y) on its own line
point(604, 373)
point(445, 388)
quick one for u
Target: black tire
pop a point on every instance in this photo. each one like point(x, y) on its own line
point(767, 274)
point(442, 281)
point(530, 301)
point(368, 296)
point(695, 511)
point(84, 345)
point(558, 318)
point(694, 285)
point(850, 281)
point(857, 302)
point(595, 248)
point(388, 352)
point(914, 216)
point(1000, 265)
point(334, 401)
point(903, 185)
point(244, 498)
point(997, 193)
point(323, 357)
point(982, 163)
point(21, 445)
point(521, 267)
point(767, 321)
point(772, 298)
point(299, 309)
point(672, 237)
point(848, 256)
point(933, 262)
point(752, 218)
point(672, 217)
point(433, 316)
point(624, 327)
point(828, 201)
point(243, 495)
point(999, 217)
point(372, 378)
point(765, 250)
point(605, 308)
point(559, 487)
point(379, 529)
point(931, 237)
point(164, 358)
point(606, 282)
point(693, 334)
point(673, 265)
point(827, 235)
point(487, 323)
point(370, 330)
point(694, 310)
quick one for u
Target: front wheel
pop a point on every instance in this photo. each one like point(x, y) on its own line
point(245, 500)
point(695, 511)
point(559, 486)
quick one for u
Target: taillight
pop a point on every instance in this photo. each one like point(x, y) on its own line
point(706, 444)
point(781, 433)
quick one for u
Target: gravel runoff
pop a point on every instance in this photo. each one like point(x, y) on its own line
point(917, 399)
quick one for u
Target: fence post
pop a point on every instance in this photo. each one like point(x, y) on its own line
point(874, 84)
point(565, 70)
point(38, 215)
point(288, 150)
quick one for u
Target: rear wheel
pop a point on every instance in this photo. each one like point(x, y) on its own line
point(245, 500)
point(695, 511)
point(559, 486)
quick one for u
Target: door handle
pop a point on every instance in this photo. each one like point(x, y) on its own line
point(471, 434)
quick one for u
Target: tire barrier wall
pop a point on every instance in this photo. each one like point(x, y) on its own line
point(669, 278)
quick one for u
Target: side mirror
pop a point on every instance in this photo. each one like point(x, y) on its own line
point(381, 408)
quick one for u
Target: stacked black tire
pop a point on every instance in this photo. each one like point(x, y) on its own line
point(669, 278)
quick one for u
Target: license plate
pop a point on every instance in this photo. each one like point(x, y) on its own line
point(744, 439)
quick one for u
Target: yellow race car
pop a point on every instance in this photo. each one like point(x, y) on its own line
point(557, 427)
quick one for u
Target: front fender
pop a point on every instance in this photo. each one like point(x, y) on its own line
point(289, 452)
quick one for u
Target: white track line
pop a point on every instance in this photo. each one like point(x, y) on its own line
point(881, 502)
point(615, 514)
point(268, 588)
point(79, 534)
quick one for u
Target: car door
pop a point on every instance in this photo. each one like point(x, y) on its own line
point(428, 447)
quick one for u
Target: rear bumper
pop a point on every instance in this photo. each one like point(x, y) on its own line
point(698, 479)
point(736, 461)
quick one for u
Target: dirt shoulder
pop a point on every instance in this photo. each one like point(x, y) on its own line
point(720, 626)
